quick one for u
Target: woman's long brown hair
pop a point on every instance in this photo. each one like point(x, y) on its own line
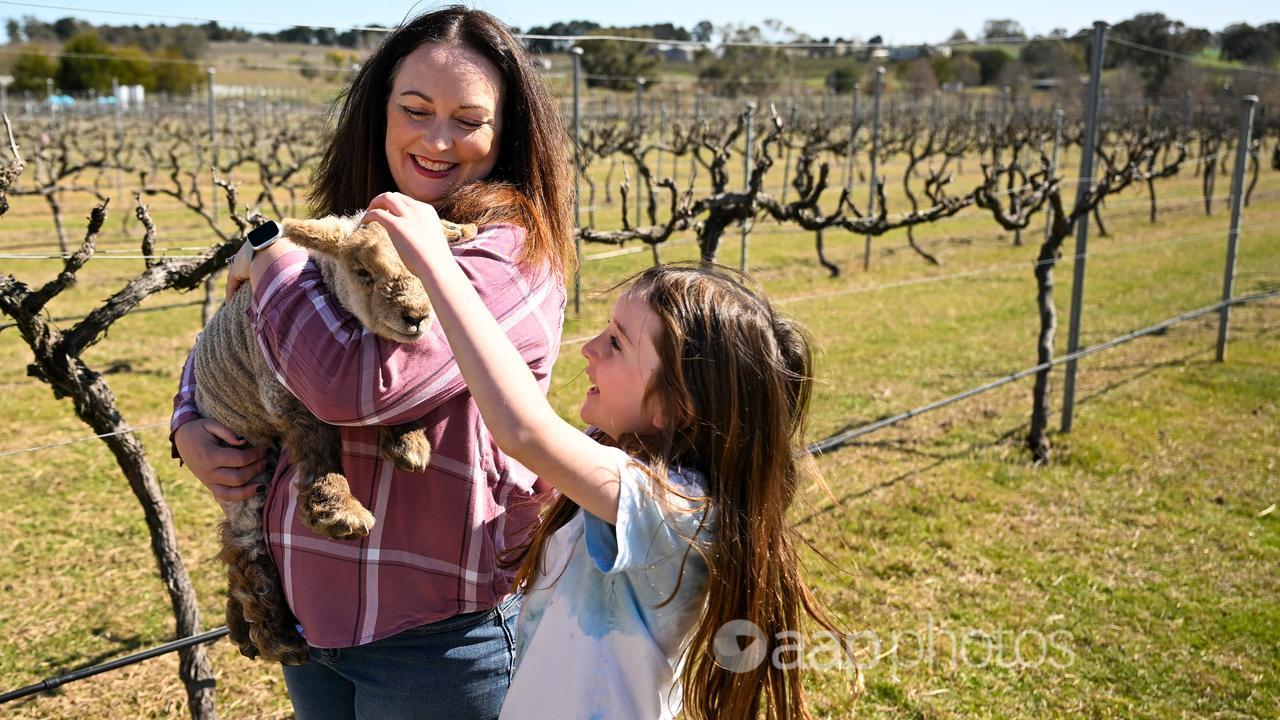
point(735, 379)
point(533, 155)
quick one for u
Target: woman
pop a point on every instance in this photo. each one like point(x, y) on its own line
point(415, 620)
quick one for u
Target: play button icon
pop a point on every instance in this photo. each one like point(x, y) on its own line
point(740, 646)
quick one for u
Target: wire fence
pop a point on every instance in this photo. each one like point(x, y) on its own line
point(843, 438)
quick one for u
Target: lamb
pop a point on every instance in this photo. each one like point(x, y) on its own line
point(235, 386)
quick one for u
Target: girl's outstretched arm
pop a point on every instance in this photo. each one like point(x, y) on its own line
point(521, 420)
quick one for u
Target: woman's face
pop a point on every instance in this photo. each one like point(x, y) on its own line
point(444, 120)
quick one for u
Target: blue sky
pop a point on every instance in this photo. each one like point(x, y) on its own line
point(917, 21)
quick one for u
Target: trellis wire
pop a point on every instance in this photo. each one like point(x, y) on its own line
point(64, 443)
point(1181, 56)
point(32, 256)
point(1064, 260)
point(929, 279)
point(843, 438)
point(923, 280)
point(130, 254)
point(73, 318)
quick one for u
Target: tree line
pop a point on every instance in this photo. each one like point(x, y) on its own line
point(89, 62)
point(192, 40)
point(152, 55)
point(1004, 56)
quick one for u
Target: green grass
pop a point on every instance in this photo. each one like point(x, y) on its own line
point(1140, 550)
point(1211, 58)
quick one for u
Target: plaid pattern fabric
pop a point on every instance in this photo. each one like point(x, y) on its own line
point(434, 551)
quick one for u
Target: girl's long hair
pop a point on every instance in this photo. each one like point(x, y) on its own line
point(533, 155)
point(735, 380)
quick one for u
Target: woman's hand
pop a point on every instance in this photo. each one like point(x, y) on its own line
point(414, 228)
point(238, 269)
point(223, 462)
point(249, 265)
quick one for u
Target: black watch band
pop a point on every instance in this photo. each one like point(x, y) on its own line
point(263, 236)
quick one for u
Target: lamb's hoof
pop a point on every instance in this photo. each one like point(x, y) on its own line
point(350, 523)
point(293, 653)
point(283, 645)
point(329, 509)
point(300, 657)
point(410, 451)
point(248, 650)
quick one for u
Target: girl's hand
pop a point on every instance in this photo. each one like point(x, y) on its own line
point(414, 228)
point(225, 463)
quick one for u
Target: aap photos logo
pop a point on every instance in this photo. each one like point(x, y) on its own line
point(740, 646)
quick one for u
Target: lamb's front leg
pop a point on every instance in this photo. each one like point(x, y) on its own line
point(405, 445)
point(324, 496)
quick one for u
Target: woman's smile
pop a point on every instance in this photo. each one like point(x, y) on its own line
point(434, 169)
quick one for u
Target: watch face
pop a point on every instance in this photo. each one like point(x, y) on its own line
point(265, 232)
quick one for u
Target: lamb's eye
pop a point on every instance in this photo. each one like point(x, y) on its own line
point(364, 275)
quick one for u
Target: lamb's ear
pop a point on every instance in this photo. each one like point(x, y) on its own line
point(326, 235)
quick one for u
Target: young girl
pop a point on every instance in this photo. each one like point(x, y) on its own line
point(671, 520)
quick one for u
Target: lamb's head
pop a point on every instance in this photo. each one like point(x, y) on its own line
point(366, 274)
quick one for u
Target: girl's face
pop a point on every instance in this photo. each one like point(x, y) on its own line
point(621, 364)
point(443, 120)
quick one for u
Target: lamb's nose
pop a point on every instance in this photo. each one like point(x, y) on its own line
point(413, 321)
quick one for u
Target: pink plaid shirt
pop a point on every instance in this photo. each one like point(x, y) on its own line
point(433, 552)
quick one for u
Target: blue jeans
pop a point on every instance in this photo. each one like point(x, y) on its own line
point(456, 668)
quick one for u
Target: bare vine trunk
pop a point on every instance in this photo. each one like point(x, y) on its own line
point(1207, 183)
point(709, 238)
point(608, 181)
point(193, 662)
point(1097, 218)
point(822, 255)
point(911, 235)
point(1037, 436)
point(95, 404)
point(1253, 182)
point(57, 362)
point(1151, 194)
point(55, 207)
point(1017, 232)
point(591, 199)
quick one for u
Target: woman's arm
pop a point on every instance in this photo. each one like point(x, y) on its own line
point(211, 450)
point(514, 408)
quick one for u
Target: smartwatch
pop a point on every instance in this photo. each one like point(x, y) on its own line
point(264, 236)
